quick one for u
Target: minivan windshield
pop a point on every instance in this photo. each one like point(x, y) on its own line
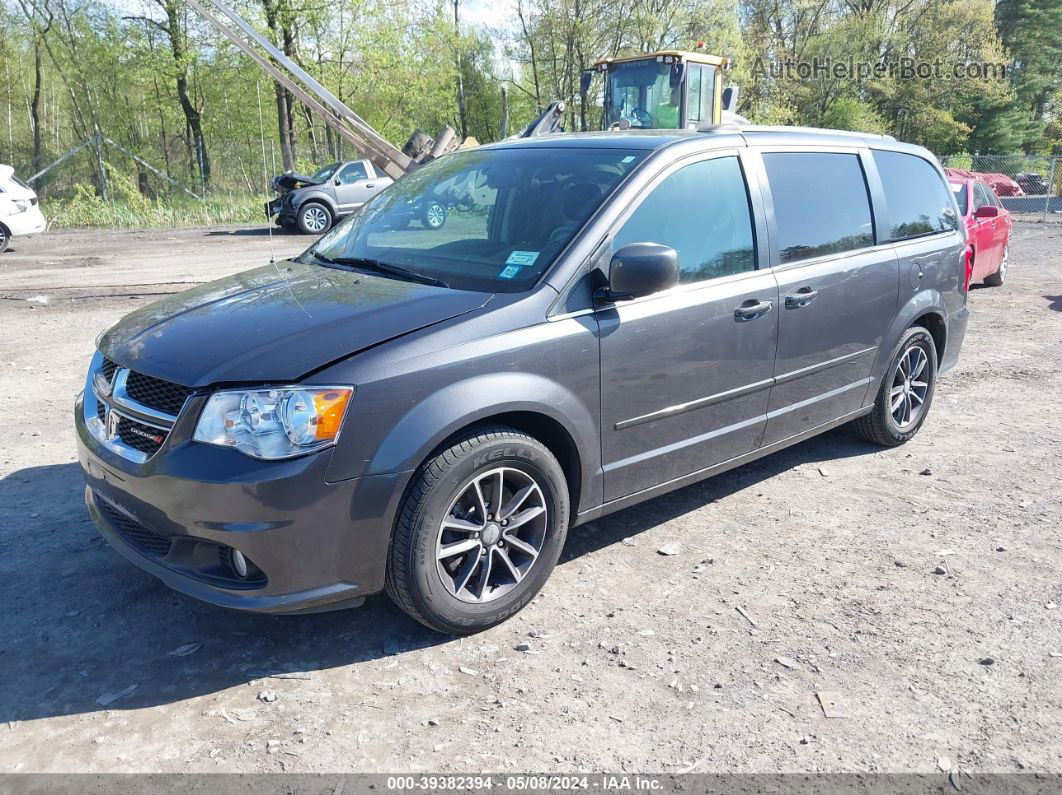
point(491, 220)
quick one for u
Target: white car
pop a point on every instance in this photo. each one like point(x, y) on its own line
point(20, 213)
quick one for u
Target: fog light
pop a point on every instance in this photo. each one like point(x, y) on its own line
point(239, 563)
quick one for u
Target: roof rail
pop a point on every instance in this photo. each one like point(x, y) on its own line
point(754, 128)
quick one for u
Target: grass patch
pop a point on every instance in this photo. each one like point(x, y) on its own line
point(85, 209)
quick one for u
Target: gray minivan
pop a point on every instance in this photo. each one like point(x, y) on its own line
point(608, 317)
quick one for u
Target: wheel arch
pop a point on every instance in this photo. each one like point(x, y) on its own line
point(546, 429)
point(544, 409)
point(925, 308)
point(317, 196)
point(933, 322)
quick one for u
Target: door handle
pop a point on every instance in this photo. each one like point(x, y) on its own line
point(801, 298)
point(752, 309)
point(370, 185)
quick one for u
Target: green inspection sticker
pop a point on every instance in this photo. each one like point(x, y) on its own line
point(522, 258)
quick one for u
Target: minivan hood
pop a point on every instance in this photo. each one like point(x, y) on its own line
point(275, 324)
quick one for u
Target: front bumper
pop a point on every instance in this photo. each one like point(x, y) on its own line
point(311, 544)
point(27, 222)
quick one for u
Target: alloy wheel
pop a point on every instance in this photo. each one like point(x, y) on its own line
point(910, 385)
point(1003, 262)
point(436, 215)
point(315, 218)
point(492, 535)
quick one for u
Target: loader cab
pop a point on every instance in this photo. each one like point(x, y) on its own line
point(671, 90)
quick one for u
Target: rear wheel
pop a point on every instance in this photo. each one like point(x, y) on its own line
point(314, 218)
point(996, 279)
point(479, 531)
point(905, 393)
point(5, 238)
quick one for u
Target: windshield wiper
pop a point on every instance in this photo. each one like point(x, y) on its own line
point(381, 267)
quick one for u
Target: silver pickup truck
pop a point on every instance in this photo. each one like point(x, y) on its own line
point(313, 204)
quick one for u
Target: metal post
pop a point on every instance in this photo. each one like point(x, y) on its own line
point(261, 135)
point(505, 112)
point(99, 165)
point(1053, 172)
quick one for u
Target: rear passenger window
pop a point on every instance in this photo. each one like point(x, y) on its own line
point(917, 199)
point(821, 204)
point(701, 211)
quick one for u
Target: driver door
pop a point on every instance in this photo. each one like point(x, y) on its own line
point(353, 186)
point(686, 373)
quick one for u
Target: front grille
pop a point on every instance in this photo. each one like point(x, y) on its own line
point(101, 411)
point(107, 368)
point(140, 437)
point(151, 544)
point(155, 393)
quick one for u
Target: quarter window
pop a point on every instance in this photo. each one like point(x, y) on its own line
point(701, 211)
point(821, 204)
point(917, 199)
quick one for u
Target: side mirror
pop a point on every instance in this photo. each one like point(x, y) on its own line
point(730, 99)
point(336, 181)
point(639, 269)
point(988, 211)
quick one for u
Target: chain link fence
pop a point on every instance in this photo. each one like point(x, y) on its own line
point(1029, 185)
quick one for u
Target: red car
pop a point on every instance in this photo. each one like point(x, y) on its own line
point(988, 226)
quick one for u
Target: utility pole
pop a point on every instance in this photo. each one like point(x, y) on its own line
point(462, 109)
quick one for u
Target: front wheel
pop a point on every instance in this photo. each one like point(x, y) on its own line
point(5, 238)
point(905, 393)
point(479, 531)
point(997, 278)
point(314, 218)
point(433, 215)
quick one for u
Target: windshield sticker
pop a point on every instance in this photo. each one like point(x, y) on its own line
point(509, 272)
point(627, 159)
point(522, 258)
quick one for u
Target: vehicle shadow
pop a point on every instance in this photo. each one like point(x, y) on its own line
point(80, 624)
point(1056, 302)
point(256, 231)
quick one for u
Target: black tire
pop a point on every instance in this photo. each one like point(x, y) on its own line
point(415, 578)
point(881, 426)
point(311, 216)
point(433, 215)
point(5, 238)
point(996, 279)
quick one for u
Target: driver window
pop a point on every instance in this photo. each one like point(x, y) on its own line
point(980, 196)
point(702, 211)
point(352, 173)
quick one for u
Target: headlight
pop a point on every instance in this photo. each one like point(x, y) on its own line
point(274, 423)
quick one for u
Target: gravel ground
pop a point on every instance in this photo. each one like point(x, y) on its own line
point(805, 577)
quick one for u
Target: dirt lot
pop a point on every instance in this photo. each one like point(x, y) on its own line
point(807, 572)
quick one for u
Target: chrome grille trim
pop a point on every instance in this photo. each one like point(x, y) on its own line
point(120, 396)
point(107, 403)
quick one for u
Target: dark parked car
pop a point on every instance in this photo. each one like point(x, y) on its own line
point(1032, 184)
point(611, 317)
point(313, 204)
